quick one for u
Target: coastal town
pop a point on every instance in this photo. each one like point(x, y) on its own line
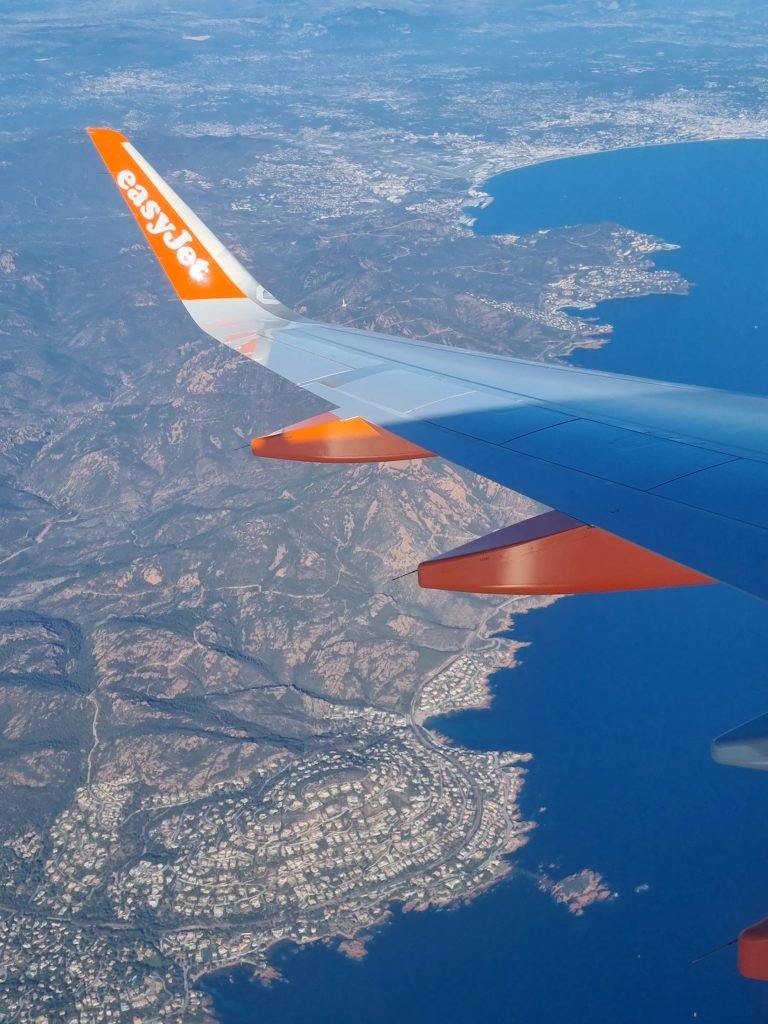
point(192, 882)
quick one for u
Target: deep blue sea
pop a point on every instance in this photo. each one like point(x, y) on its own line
point(617, 696)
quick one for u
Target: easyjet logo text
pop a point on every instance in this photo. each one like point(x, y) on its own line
point(158, 223)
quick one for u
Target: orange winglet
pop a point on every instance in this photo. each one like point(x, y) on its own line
point(552, 554)
point(167, 223)
point(326, 438)
point(753, 951)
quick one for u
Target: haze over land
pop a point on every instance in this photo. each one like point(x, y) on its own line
point(213, 692)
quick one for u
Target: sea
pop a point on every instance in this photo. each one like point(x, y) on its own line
point(616, 696)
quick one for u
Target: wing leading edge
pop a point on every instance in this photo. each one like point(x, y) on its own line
point(660, 484)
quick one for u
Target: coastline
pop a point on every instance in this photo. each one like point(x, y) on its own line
point(486, 173)
point(497, 620)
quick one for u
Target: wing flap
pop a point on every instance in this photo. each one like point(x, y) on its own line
point(613, 453)
point(480, 415)
point(738, 489)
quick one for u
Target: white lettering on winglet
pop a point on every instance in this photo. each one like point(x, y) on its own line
point(158, 223)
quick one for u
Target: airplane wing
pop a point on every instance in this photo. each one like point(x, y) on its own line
point(651, 483)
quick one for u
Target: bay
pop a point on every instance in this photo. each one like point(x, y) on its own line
point(708, 198)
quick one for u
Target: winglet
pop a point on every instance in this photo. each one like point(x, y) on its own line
point(196, 262)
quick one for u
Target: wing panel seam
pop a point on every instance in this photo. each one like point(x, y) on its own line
point(695, 472)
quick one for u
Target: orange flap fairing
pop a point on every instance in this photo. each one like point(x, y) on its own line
point(326, 438)
point(552, 554)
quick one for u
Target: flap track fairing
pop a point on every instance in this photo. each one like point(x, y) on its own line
point(327, 438)
point(553, 554)
point(753, 951)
